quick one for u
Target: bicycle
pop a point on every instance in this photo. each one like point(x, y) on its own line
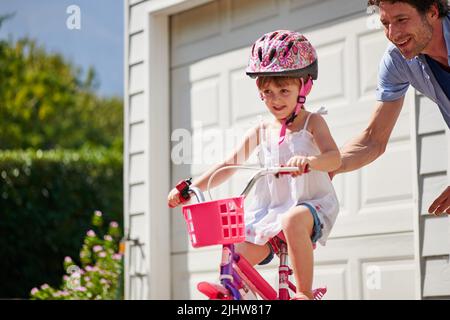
point(222, 222)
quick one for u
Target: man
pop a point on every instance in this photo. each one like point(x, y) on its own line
point(419, 55)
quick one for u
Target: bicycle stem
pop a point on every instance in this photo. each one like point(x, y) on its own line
point(198, 194)
point(252, 182)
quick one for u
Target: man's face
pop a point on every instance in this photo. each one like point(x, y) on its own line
point(405, 27)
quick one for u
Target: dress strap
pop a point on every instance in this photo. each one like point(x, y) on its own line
point(307, 121)
point(321, 110)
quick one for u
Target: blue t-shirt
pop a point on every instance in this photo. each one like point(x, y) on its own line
point(441, 74)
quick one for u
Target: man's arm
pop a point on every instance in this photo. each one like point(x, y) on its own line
point(372, 142)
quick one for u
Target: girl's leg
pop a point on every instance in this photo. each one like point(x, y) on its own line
point(253, 253)
point(298, 226)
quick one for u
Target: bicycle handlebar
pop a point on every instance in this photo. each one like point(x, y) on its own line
point(185, 189)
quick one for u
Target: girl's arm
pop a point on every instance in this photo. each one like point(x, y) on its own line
point(330, 157)
point(237, 157)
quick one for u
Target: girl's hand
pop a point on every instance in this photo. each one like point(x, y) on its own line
point(173, 199)
point(298, 161)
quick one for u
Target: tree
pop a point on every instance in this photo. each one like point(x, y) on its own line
point(47, 103)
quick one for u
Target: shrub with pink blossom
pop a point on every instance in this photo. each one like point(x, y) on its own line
point(99, 274)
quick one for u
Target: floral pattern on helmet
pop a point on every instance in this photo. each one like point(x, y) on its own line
point(281, 51)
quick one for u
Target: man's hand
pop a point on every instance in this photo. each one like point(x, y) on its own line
point(442, 204)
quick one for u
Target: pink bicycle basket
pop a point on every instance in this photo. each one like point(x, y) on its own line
point(215, 222)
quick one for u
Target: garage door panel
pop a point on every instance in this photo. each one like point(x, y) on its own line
point(388, 280)
point(430, 119)
point(431, 187)
point(204, 22)
point(205, 102)
point(335, 278)
point(436, 240)
point(207, 149)
point(247, 12)
point(388, 180)
point(437, 277)
point(332, 67)
point(245, 101)
point(371, 47)
point(428, 161)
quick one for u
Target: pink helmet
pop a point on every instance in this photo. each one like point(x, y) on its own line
point(283, 53)
point(287, 54)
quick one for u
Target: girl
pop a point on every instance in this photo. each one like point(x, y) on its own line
point(303, 206)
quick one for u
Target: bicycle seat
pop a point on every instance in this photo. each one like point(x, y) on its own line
point(281, 236)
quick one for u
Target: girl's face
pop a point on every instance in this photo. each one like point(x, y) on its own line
point(280, 100)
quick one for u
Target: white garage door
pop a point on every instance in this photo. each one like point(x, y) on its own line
point(371, 251)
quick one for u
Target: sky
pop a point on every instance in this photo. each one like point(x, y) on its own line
point(98, 43)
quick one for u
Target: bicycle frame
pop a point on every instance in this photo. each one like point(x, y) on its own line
point(236, 273)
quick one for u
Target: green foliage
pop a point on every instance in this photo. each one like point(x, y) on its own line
point(99, 276)
point(47, 198)
point(48, 107)
point(46, 103)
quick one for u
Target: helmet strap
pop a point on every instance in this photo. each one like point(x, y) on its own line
point(305, 89)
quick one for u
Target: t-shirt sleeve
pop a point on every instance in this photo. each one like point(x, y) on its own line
point(392, 79)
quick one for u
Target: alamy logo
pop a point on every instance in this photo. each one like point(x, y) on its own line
point(373, 278)
point(73, 22)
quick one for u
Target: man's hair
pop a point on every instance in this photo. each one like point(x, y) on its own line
point(422, 6)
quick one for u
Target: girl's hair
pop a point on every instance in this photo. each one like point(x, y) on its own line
point(263, 82)
point(422, 6)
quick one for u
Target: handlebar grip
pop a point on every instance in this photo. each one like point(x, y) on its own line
point(183, 189)
point(307, 169)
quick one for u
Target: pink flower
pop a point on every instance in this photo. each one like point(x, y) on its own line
point(45, 286)
point(82, 289)
point(108, 237)
point(34, 291)
point(102, 254)
point(117, 256)
point(114, 224)
point(68, 259)
point(98, 213)
point(97, 248)
point(91, 233)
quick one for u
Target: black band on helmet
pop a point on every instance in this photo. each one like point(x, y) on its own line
point(310, 71)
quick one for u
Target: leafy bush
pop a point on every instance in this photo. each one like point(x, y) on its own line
point(46, 202)
point(99, 276)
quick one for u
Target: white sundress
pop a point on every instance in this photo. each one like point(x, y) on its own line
point(273, 197)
